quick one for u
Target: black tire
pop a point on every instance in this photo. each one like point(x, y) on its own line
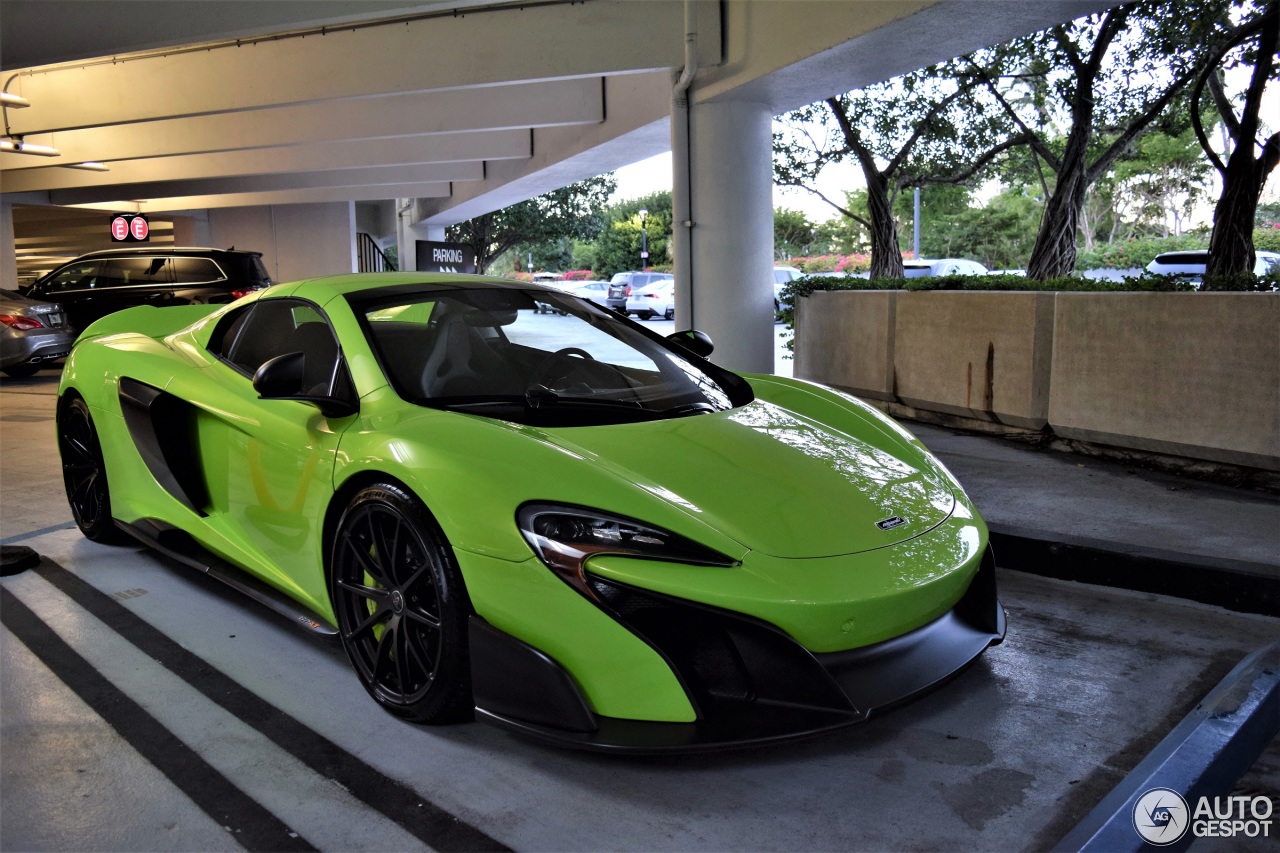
point(670, 315)
point(84, 474)
point(645, 315)
point(21, 371)
point(402, 607)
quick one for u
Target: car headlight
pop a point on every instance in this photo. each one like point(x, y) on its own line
point(565, 537)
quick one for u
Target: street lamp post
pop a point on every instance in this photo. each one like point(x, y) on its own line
point(644, 241)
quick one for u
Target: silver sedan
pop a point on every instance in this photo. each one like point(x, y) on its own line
point(32, 334)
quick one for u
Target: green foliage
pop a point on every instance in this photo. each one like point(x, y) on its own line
point(1241, 281)
point(618, 247)
point(842, 235)
point(793, 234)
point(1267, 216)
point(998, 234)
point(572, 212)
point(1267, 239)
point(1149, 284)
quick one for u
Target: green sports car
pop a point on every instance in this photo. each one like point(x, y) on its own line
point(561, 523)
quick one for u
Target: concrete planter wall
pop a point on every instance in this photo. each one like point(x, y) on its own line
point(1188, 374)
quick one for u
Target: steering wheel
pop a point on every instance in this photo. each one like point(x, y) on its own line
point(543, 375)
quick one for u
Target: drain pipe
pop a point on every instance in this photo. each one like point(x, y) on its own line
point(681, 189)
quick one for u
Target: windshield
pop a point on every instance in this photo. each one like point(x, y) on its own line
point(490, 352)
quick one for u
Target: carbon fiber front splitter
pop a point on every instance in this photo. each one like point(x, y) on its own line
point(750, 684)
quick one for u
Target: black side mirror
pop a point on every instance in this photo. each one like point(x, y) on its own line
point(698, 343)
point(280, 378)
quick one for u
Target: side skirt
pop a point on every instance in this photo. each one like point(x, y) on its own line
point(178, 545)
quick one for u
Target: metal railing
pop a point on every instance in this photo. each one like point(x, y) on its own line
point(371, 258)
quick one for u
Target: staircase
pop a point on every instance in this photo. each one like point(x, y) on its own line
point(371, 258)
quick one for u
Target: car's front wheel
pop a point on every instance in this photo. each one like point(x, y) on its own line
point(402, 607)
point(84, 473)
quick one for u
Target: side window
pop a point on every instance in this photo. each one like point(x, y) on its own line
point(135, 272)
point(275, 327)
point(195, 271)
point(80, 276)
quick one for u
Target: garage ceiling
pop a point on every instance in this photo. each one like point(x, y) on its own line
point(465, 105)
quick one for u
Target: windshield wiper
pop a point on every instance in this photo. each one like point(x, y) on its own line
point(537, 396)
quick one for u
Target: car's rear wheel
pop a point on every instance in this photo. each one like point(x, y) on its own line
point(645, 315)
point(670, 314)
point(84, 474)
point(402, 607)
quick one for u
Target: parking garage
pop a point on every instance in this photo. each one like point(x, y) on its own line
point(145, 706)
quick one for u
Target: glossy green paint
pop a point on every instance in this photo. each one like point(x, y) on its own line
point(790, 486)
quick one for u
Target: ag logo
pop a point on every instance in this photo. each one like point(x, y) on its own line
point(891, 522)
point(1161, 816)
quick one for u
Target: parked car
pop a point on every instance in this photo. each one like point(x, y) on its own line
point(621, 285)
point(597, 290)
point(1191, 265)
point(599, 539)
point(96, 284)
point(782, 276)
point(655, 300)
point(32, 334)
point(942, 266)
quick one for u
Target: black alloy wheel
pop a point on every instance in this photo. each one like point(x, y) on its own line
point(84, 474)
point(402, 607)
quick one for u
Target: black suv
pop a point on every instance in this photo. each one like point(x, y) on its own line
point(99, 283)
point(621, 285)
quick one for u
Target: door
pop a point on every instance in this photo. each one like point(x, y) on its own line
point(75, 287)
point(268, 464)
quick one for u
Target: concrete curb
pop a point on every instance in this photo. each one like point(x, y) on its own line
point(1245, 587)
point(1203, 756)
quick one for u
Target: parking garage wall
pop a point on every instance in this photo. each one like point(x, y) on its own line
point(1194, 375)
point(297, 241)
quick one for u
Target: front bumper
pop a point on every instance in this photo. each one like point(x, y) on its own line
point(750, 683)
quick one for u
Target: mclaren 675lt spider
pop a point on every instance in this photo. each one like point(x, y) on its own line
point(564, 523)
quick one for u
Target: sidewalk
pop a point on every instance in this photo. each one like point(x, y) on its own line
point(1097, 521)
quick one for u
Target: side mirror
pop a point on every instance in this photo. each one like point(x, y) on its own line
point(281, 378)
point(694, 341)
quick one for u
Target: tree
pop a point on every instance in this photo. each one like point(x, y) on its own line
point(793, 234)
point(998, 234)
point(618, 247)
point(1103, 79)
point(1246, 171)
point(574, 212)
point(924, 127)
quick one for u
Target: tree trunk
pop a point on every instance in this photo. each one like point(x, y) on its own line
point(1231, 246)
point(886, 254)
point(1054, 254)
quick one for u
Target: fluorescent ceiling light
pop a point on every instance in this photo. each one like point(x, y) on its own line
point(17, 146)
point(15, 101)
point(89, 166)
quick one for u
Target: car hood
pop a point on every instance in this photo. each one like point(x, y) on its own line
point(774, 480)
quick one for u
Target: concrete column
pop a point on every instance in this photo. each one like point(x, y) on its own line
point(731, 252)
point(8, 248)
